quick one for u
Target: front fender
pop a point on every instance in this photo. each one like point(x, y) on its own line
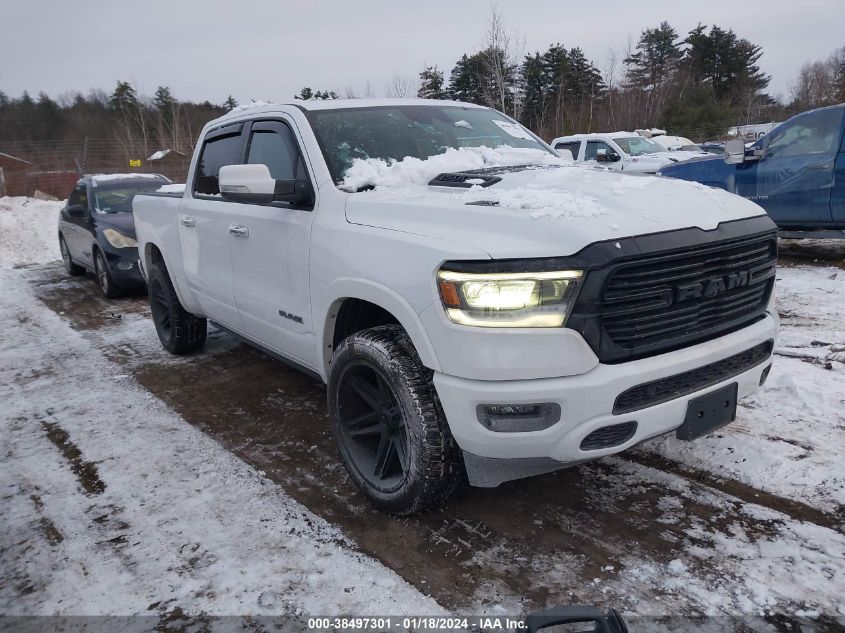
point(382, 296)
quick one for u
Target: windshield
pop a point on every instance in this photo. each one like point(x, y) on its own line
point(118, 199)
point(421, 131)
point(638, 145)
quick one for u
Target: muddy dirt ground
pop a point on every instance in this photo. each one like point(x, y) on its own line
point(565, 537)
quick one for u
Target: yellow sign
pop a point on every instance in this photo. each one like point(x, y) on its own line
point(134, 162)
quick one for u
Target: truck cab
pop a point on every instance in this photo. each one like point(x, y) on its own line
point(796, 172)
point(619, 151)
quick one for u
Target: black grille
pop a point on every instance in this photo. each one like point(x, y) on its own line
point(651, 393)
point(654, 304)
point(608, 436)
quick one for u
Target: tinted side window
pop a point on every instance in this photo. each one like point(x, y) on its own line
point(572, 146)
point(79, 196)
point(223, 150)
point(277, 148)
point(813, 133)
point(593, 147)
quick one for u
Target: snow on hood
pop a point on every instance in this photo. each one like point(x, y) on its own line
point(376, 172)
point(543, 206)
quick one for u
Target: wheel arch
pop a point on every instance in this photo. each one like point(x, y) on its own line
point(353, 305)
point(153, 255)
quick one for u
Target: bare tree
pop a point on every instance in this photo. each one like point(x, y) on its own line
point(401, 87)
point(503, 52)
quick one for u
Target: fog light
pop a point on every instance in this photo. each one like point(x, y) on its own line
point(125, 265)
point(765, 374)
point(518, 418)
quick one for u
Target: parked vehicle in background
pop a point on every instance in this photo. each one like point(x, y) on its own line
point(479, 309)
point(623, 151)
point(97, 229)
point(677, 144)
point(752, 133)
point(796, 172)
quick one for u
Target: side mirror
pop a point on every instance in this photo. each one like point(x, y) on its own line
point(76, 210)
point(735, 152)
point(253, 184)
point(566, 154)
point(603, 156)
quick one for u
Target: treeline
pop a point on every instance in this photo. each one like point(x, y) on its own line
point(135, 122)
point(697, 85)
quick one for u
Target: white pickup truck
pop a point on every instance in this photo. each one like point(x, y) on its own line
point(621, 151)
point(480, 308)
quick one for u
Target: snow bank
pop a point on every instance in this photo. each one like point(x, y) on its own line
point(410, 171)
point(28, 231)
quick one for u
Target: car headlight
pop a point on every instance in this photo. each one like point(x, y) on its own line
point(118, 239)
point(542, 299)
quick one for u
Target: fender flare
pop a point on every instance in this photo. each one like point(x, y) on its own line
point(382, 296)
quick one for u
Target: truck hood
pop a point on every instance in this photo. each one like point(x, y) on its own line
point(543, 210)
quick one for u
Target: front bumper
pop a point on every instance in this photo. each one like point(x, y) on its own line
point(124, 266)
point(586, 400)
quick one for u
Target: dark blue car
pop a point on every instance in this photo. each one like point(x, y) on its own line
point(796, 172)
point(97, 229)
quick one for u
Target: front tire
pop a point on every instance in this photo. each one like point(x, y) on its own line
point(103, 275)
point(387, 420)
point(72, 269)
point(179, 331)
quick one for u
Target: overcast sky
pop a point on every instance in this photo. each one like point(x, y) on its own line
point(268, 49)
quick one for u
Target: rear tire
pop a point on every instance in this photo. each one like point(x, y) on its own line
point(390, 428)
point(179, 331)
point(72, 269)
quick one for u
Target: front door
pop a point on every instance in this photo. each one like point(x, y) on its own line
point(270, 254)
point(204, 224)
point(796, 173)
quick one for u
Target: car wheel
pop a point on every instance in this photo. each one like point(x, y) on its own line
point(103, 275)
point(72, 269)
point(179, 331)
point(390, 429)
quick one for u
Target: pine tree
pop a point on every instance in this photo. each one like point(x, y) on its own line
point(533, 91)
point(465, 82)
point(656, 57)
point(305, 94)
point(163, 99)
point(124, 97)
point(4, 100)
point(432, 84)
point(230, 104)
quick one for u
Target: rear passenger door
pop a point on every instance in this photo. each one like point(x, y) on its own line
point(204, 228)
point(796, 173)
point(271, 258)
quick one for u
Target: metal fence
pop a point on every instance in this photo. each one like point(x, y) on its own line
point(53, 166)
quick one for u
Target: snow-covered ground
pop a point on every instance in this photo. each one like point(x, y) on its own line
point(112, 503)
point(92, 463)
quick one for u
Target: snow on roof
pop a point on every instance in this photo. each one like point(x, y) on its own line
point(162, 153)
point(98, 179)
point(337, 104)
point(596, 135)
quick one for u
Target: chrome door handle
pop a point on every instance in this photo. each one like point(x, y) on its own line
point(239, 229)
point(187, 220)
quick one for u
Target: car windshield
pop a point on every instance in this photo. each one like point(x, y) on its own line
point(638, 145)
point(421, 131)
point(118, 197)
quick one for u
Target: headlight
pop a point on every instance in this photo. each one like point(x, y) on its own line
point(118, 239)
point(509, 299)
